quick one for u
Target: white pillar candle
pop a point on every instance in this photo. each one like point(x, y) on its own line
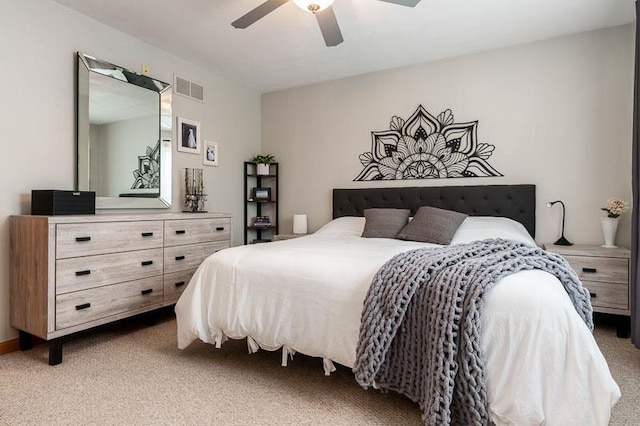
point(299, 223)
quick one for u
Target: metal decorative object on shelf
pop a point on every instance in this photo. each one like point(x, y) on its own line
point(426, 147)
point(194, 196)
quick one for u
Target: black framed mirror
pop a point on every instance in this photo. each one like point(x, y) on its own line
point(123, 136)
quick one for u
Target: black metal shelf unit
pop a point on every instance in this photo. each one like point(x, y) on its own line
point(254, 208)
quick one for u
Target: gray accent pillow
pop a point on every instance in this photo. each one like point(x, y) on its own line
point(432, 225)
point(384, 223)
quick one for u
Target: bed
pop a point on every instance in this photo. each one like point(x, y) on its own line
point(305, 295)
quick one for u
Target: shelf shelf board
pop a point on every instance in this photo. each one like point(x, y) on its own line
point(261, 227)
point(261, 201)
point(260, 241)
point(257, 175)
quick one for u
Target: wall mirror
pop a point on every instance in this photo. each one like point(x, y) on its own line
point(124, 136)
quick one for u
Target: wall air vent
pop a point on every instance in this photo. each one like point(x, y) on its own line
point(187, 88)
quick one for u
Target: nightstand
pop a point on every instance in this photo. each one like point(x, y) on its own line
point(605, 272)
point(280, 237)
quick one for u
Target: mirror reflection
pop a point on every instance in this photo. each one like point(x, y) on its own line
point(124, 136)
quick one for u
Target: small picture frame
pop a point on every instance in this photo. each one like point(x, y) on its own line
point(188, 135)
point(261, 194)
point(210, 154)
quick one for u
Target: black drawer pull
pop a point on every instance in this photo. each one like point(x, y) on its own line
point(81, 239)
point(590, 270)
point(147, 262)
point(83, 306)
point(181, 231)
point(180, 284)
point(147, 291)
point(220, 228)
point(593, 294)
point(179, 257)
point(147, 234)
point(85, 272)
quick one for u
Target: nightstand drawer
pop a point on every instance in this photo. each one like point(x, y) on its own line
point(600, 269)
point(608, 295)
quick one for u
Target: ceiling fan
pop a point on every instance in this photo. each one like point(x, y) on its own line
point(321, 8)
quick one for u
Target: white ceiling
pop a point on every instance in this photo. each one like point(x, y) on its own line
point(286, 49)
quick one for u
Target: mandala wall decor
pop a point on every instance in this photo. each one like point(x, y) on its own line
point(426, 147)
point(148, 173)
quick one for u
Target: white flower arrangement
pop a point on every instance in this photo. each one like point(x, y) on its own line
point(615, 207)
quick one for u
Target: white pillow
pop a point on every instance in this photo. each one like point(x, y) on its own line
point(343, 226)
point(482, 227)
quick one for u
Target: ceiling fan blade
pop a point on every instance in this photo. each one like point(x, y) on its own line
point(410, 3)
point(259, 12)
point(329, 27)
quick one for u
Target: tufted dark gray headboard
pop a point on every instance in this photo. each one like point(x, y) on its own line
point(517, 202)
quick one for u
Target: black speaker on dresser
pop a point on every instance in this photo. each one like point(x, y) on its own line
point(56, 202)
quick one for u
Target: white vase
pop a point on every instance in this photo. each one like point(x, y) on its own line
point(299, 223)
point(609, 228)
point(263, 169)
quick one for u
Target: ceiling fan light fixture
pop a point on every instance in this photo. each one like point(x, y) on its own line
point(313, 6)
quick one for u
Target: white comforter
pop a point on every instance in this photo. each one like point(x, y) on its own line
point(305, 295)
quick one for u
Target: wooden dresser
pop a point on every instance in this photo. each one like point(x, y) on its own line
point(605, 273)
point(71, 273)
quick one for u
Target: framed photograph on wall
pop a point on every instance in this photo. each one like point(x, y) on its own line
point(188, 135)
point(210, 153)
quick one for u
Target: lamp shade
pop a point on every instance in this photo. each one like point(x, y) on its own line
point(299, 223)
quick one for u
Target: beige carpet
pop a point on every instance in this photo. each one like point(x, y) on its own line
point(135, 375)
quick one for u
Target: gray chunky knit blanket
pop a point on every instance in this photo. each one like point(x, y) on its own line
point(420, 329)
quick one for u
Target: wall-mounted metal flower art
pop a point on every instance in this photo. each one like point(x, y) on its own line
point(148, 173)
point(426, 147)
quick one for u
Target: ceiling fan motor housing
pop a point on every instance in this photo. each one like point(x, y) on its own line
point(313, 6)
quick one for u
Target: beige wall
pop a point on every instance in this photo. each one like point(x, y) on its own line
point(37, 114)
point(557, 111)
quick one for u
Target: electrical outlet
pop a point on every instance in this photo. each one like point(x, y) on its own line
point(146, 70)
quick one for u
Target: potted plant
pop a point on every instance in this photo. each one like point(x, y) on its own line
point(614, 208)
point(263, 162)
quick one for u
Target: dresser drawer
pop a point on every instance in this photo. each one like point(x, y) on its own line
point(175, 283)
point(88, 305)
point(180, 258)
point(608, 295)
point(86, 239)
point(81, 273)
point(600, 269)
point(193, 231)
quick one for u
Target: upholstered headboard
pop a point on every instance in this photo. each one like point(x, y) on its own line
point(517, 202)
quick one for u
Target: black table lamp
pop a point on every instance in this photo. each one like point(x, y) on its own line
point(562, 241)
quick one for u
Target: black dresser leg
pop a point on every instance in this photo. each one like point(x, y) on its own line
point(623, 327)
point(25, 340)
point(151, 318)
point(55, 351)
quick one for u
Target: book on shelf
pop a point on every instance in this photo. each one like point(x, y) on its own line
point(262, 222)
